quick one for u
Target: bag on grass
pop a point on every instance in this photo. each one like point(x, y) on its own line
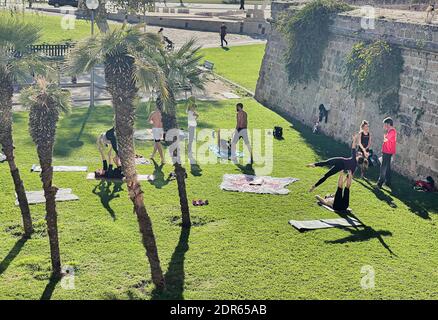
point(278, 132)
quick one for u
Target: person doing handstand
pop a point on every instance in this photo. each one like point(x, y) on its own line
point(338, 164)
point(341, 200)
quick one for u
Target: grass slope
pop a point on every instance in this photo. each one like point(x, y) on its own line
point(240, 64)
point(242, 246)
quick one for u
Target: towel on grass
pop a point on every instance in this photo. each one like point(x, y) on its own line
point(253, 184)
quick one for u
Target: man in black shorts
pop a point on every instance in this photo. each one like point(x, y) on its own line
point(339, 164)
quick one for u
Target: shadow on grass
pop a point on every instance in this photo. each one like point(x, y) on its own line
point(70, 138)
point(159, 181)
point(195, 170)
point(103, 191)
point(246, 169)
point(50, 288)
point(363, 234)
point(418, 203)
point(175, 274)
point(12, 254)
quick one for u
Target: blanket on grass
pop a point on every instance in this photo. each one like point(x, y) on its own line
point(254, 184)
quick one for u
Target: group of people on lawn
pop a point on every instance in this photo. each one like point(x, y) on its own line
point(361, 152)
point(108, 139)
point(360, 156)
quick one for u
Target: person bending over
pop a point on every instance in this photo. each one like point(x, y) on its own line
point(105, 140)
point(341, 200)
point(338, 164)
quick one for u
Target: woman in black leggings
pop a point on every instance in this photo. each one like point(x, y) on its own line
point(339, 164)
point(341, 200)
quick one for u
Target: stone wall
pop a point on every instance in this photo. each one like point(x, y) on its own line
point(418, 135)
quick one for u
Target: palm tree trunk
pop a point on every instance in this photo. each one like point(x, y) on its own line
point(6, 92)
point(168, 113)
point(124, 118)
point(123, 92)
point(45, 156)
point(8, 150)
point(180, 173)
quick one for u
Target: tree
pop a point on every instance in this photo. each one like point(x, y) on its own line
point(180, 68)
point(128, 58)
point(100, 14)
point(16, 64)
point(46, 102)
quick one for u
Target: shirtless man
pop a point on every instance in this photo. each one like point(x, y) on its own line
point(241, 132)
point(157, 132)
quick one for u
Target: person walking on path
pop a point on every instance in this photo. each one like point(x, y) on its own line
point(242, 5)
point(223, 33)
point(192, 117)
point(389, 147)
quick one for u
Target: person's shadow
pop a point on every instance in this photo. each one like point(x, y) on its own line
point(247, 169)
point(159, 180)
point(175, 274)
point(377, 192)
point(103, 190)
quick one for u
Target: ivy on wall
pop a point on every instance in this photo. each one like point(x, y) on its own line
point(374, 69)
point(307, 33)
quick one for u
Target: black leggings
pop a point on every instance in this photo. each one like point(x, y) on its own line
point(336, 164)
point(341, 202)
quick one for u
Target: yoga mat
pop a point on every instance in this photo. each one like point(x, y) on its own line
point(324, 224)
point(256, 184)
point(224, 153)
point(142, 160)
point(35, 197)
point(143, 135)
point(37, 168)
point(140, 177)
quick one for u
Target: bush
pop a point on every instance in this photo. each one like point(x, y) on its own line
point(374, 69)
point(307, 33)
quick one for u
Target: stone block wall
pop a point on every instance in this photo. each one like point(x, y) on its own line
point(417, 119)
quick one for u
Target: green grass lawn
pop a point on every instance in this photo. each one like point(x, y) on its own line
point(52, 30)
point(242, 245)
point(240, 64)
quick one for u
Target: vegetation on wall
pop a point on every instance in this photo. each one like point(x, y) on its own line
point(307, 32)
point(374, 69)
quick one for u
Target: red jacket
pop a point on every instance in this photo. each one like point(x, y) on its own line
point(389, 146)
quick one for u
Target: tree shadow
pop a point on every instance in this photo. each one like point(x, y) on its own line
point(159, 180)
point(103, 190)
point(418, 203)
point(12, 254)
point(175, 274)
point(50, 288)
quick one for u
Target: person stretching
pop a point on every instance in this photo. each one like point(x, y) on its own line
point(157, 132)
point(338, 164)
point(108, 139)
point(341, 200)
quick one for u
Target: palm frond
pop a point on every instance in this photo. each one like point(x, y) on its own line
point(18, 35)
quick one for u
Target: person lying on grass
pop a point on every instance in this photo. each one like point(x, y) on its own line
point(341, 200)
point(108, 140)
point(339, 164)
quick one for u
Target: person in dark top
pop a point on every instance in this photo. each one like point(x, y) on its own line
point(323, 113)
point(364, 145)
point(341, 200)
point(109, 139)
point(339, 164)
point(242, 5)
point(223, 34)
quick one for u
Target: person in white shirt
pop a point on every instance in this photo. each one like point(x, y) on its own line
point(192, 117)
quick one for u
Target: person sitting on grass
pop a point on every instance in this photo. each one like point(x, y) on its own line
point(338, 164)
point(341, 200)
point(108, 139)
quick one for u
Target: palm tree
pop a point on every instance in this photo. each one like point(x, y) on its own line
point(16, 64)
point(181, 70)
point(46, 102)
point(126, 54)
